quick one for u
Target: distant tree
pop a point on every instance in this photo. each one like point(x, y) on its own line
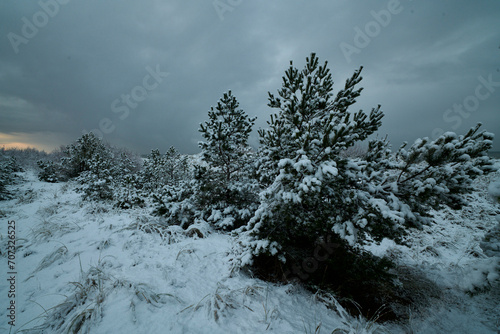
point(225, 148)
point(80, 156)
point(8, 169)
point(92, 163)
point(226, 189)
point(26, 157)
point(50, 171)
point(223, 191)
point(167, 169)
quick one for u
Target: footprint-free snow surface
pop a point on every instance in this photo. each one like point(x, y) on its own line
point(86, 267)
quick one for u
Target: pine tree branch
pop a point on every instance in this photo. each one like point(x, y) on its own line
point(415, 175)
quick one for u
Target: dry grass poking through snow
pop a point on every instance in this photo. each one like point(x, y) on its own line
point(142, 276)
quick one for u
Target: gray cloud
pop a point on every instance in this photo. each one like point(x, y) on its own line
point(421, 61)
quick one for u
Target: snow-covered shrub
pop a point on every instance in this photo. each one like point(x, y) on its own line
point(90, 161)
point(160, 170)
point(320, 204)
point(167, 180)
point(128, 195)
point(81, 155)
point(50, 171)
point(178, 204)
point(434, 173)
point(227, 192)
point(223, 191)
point(8, 169)
point(126, 181)
point(26, 158)
point(98, 168)
point(226, 205)
point(96, 183)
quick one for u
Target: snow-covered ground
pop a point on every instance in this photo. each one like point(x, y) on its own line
point(89, 266)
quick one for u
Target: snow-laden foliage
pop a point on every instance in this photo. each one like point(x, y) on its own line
point(50, 171)
point(27, 158)
point(169, 169)
point(223, 191)
point(316, 195)
point(102, 172)
point(177, 204)
point(8, 169)
point(91, 267)
point(126, 181)
point(434, 173)
point(97, 181)
point(128, 194)
point(225, 148)
point(81, 155)
point(312, 191)
point(226, 191)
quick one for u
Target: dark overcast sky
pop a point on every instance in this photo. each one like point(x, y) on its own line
point(73, 65)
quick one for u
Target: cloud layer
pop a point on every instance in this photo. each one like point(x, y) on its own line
point(68, 66)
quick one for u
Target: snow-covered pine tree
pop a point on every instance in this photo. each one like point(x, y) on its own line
point(49, 171)
point(167, 169)
point(78, 156)
point(317, 197)
point(226, 138)
point(176, 167)
point(8, 169)
point(227, 192)
point(431, 174)
point(223, 191)
point(152, 173)
point(312, 191)
point(126, 181)
point(97, 181)
point(90, 161)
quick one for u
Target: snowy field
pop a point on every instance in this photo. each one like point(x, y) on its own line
point(88, 267)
